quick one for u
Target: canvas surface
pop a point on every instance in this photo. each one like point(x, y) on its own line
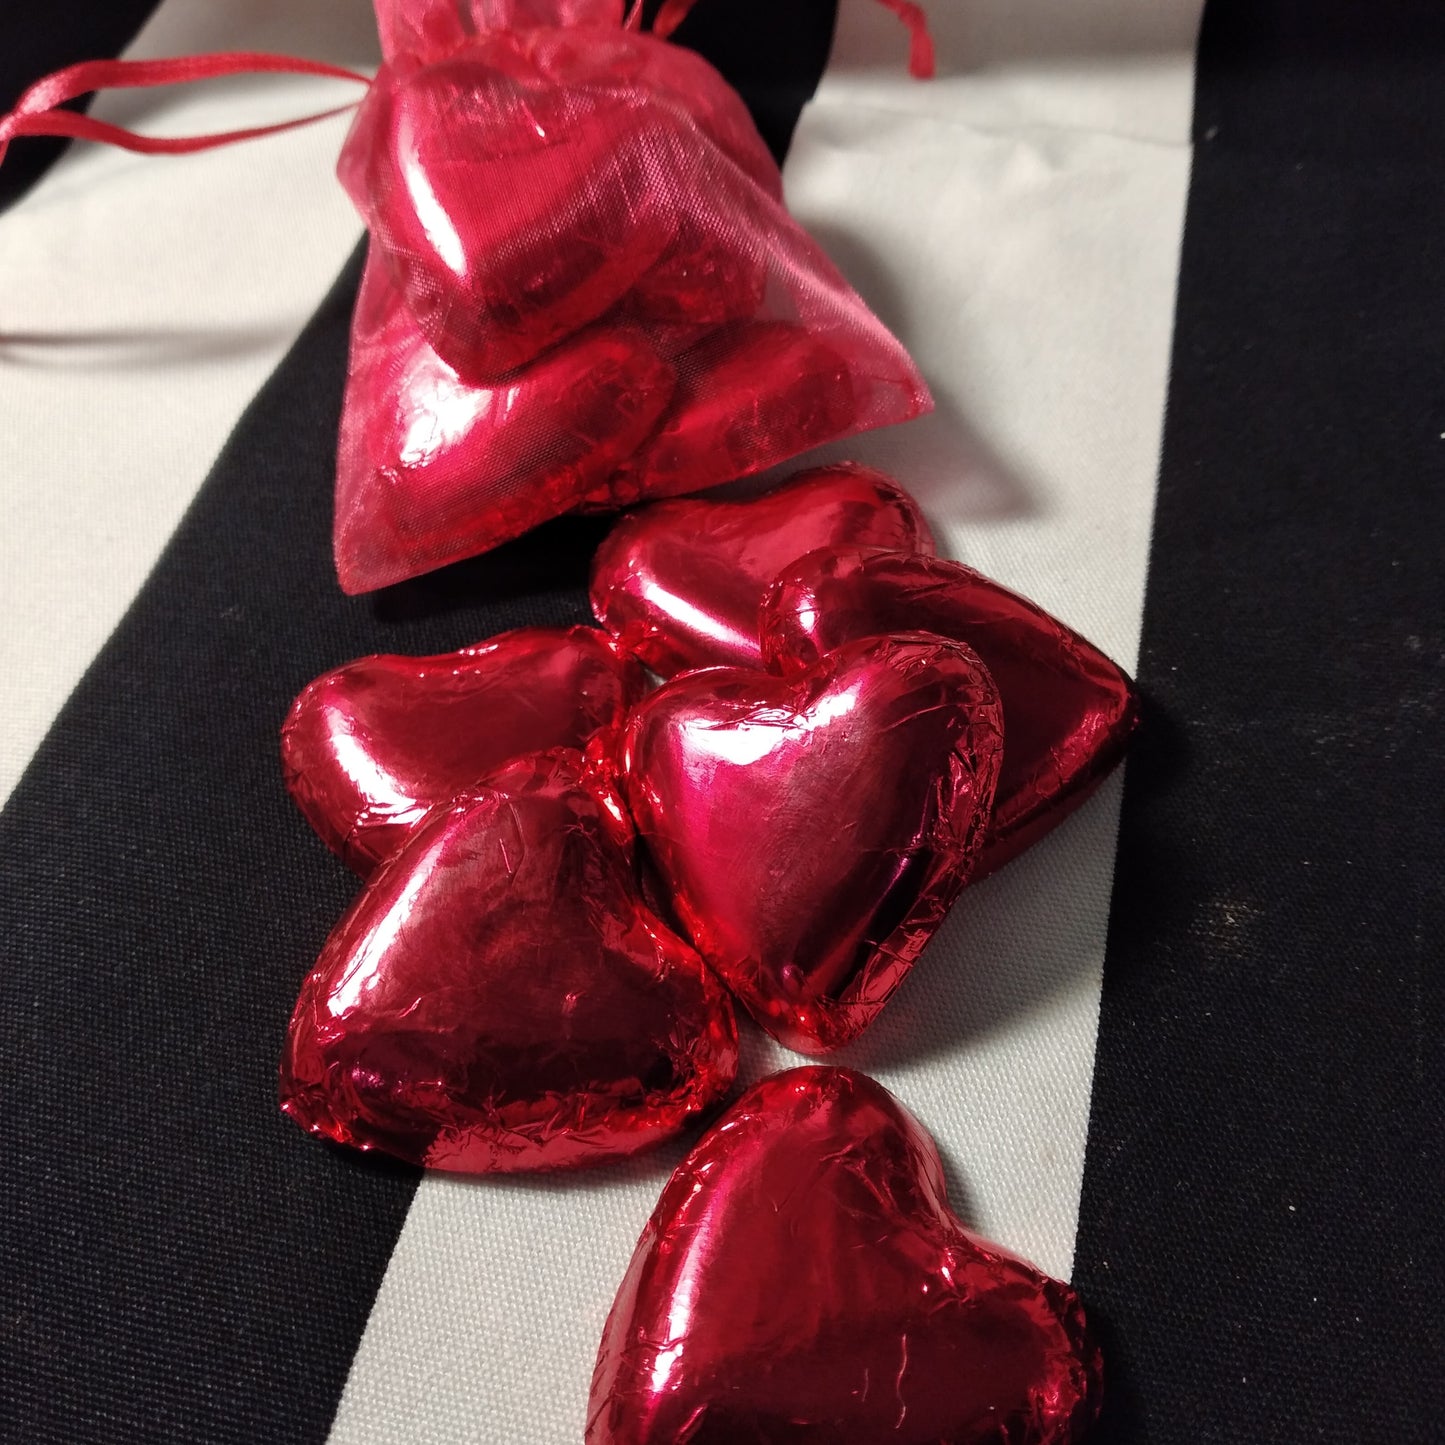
point(1171, 278)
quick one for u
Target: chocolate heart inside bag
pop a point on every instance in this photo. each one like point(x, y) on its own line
point(432, 468)
point(583, 289)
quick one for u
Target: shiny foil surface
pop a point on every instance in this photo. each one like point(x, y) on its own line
point(750, 381)
point(432, 469)
point(1068, 710)
point(585, 292)
point(679, 584)
point(499, 998)
point(811, 832)
point(512, 210)
point(803, 1282)
point(522, 182)
point(369, 748)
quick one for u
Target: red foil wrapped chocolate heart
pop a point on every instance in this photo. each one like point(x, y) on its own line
point(511, 211)
point(699, 280)
point(577, 43)
point(679, 584)
point(432, 469)
point(499, 998)
point(811, 832)
point(802, 1281)
point(583, 52)
point(523, 182)
point(1068, 710)
point(739, 390)
point(369, 748)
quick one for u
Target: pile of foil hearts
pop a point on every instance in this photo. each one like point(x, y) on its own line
point(797, 737)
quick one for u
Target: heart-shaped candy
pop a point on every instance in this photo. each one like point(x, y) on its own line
point(370, 747)
point(498, 998)
point(802, 1282)
point(749, 396)
point(811, 832)
point(1068, 710)
point(431, 469)
point(511, 210)
point(520, 185)
point(679, 583)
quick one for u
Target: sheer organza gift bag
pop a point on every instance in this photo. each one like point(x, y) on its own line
point(583, 289)
point(582, 286)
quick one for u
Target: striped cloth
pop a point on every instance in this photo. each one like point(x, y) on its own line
point(1174, 271)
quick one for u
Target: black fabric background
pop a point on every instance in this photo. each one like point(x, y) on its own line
point(178, 1262)
point(1260, 1225)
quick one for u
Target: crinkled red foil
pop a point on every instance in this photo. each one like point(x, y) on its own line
point(499, 998)
point(432, 469)
point(802, 1280)
point(812, 832)
point(744, 384)
point(596, 294)
point(369, 748)
point(679, 583)
point(1068, 711)
point(512, 211)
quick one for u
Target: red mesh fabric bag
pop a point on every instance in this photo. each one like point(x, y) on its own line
point(583, 289)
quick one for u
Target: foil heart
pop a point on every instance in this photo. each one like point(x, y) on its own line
point(522, 180)
point(748, 396)
point(1068, 710)
point(499, 998)
point(811, 832)
point(705, 279)
point(679, 583)
point(369, 748)
point(432, 469)
point(803, 1281)
point(511, 210)
point(591, 56)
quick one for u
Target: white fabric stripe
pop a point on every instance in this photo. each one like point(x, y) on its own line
point(1018, 221)
point(144, 302)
